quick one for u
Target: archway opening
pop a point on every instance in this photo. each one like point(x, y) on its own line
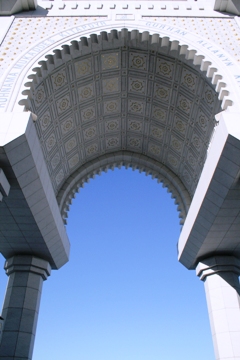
point(140, 101)
point(123, 295)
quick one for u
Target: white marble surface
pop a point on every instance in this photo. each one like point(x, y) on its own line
point(21, 305)
point(222, 289)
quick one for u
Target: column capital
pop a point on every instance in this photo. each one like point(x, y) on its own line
point(28, 263)
point(217, 264)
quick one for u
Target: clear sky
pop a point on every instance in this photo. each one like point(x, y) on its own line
point(123, 295)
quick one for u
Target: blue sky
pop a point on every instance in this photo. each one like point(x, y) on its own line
point(123, 295)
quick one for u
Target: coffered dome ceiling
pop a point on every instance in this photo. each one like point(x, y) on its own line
point(112, 100)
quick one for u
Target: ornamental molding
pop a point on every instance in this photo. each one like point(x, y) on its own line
point(198, 51)
point(131, 160)
point(229, 6)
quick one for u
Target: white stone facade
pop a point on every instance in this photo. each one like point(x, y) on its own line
point(86, 87)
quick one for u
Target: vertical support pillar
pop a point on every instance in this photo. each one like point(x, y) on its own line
point(21, 305)
point(220, 275)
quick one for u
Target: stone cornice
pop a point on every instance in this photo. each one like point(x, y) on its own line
point(11, 7)
point(230, 6)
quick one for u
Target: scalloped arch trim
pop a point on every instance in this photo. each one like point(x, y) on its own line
point(125, 38)
point(128, 160)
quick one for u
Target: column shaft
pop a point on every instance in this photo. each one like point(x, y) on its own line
point(21, 306)
point(220, 276)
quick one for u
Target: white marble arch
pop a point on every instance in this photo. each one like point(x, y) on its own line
point(189, 65)
point(145, 98)
point(190, 58)
point(162, 104)
point(194, 66)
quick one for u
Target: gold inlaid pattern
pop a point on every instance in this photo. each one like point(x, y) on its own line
point(59, 79)
point(73, 161)
point(83, 67)
point(110, 61)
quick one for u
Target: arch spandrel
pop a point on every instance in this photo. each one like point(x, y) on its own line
point(123, 92)
point(220, 67)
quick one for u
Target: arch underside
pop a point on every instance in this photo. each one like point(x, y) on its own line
point(110, 101)
point(126, 159)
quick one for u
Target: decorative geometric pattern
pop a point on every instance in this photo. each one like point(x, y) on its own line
point(88, 113)
point(60, 176)
point(83, 68)
point(156, 132)
point(196, 142)
point(191, 159)
point(138, 61)
point(159, 113)
point(186, 176)
point(202, 121)
point(70, 144)
point(110, 61)
point(161, 93)
point(91, 149)
point(173, 161)
point(209, 96)
point(135, 106)
point(110, 85)
point(137, 85)
point(135, 125)
point(73, 161)
point(176, 144)
point(180, 125)
point(67, 126)
point(40, 96)
point(63, 104)
point(55, 160)
point(45, 120)
point(112, 125)
point(165, 68)
point(112, 142)
point(127, 99)
point(135, 142)
point(50, 142)
point(112, 106)
point(189, 80)
point(85, 92)
point(90, 133)
point(184, 104)
point(154, 149)
point(59, 79)
point(221, 31)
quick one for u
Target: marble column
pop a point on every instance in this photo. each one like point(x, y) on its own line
point(221, 279)
point(21, 305)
